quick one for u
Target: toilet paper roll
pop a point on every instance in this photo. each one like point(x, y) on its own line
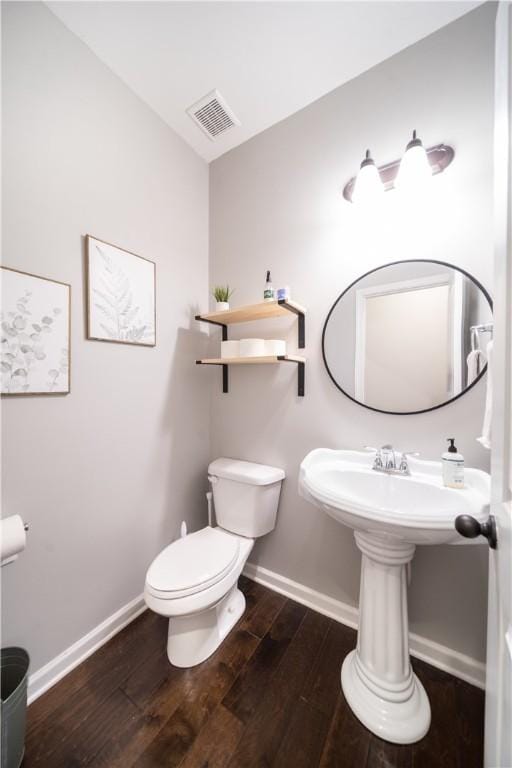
point(252, 347)
point(229, 348)
point(275, 347)
point(13, 538)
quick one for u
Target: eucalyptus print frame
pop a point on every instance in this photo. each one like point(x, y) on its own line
point(35, 321)
point(121, 300)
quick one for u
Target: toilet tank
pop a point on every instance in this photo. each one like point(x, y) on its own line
point(246, 496)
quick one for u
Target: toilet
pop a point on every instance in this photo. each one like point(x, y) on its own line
point(194, 581)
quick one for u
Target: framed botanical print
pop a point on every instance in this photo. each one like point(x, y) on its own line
point(35, 324)
point(121, 302)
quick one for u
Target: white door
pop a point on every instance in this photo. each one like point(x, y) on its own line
point(498, 716)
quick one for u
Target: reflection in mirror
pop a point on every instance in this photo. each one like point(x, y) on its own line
point(409, 336)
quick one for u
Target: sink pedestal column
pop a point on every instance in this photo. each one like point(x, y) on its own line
point(377, 677)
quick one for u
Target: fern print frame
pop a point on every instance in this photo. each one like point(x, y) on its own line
point(121, 295)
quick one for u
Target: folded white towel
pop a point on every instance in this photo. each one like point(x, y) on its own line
point(485, 438)
point(475, 362)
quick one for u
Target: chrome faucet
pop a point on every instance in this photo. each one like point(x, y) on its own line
point(386, 460)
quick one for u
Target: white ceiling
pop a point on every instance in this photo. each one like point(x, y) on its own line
point(267, 59)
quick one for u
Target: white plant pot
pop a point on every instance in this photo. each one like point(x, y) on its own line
point(221, 306)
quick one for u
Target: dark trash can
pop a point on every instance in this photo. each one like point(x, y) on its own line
point(14, 666)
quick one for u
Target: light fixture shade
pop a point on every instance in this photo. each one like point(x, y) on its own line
point(415, 170)
point(368, 185)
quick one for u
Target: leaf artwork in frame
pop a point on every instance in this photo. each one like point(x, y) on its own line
point(35, 334)
point(121, 295)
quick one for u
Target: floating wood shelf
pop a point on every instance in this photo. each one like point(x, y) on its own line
point(246, 314)
point(252, 360)
point(266, 360)
point(261, 311)
point(250, 313)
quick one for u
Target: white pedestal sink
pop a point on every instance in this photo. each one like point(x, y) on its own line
point(390, 515)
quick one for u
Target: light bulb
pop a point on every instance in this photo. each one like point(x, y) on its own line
point(368, 186)
point(415, 170)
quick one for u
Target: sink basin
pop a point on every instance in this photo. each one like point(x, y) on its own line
point(416, 508)
point(390, 515)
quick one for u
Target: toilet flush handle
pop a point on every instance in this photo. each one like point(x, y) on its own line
point(212, 479)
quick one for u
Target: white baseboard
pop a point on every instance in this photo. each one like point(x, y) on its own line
point(457, 664)
point(447, 659)
point(43, 679)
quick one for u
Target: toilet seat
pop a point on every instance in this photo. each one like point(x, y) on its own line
point(192, 564)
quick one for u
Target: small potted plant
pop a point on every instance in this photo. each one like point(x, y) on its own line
point(222, 294)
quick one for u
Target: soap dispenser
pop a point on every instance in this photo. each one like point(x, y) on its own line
point(453, 466)
point(268, 291)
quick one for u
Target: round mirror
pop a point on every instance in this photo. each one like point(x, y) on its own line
point(408, 337)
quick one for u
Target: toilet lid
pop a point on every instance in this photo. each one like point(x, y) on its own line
point(193, 563)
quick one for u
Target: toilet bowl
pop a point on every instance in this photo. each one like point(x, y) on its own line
point(193, 581)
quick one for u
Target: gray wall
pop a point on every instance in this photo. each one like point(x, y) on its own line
point(275, 204)
point(103, 475)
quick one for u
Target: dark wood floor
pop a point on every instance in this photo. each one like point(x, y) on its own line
point(270, 696)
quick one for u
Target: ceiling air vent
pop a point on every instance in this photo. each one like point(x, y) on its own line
point(212, 115)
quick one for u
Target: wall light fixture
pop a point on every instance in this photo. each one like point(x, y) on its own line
point(416, 166)
point(368, 186)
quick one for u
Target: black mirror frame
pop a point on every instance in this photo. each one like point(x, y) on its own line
point(376, 269)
